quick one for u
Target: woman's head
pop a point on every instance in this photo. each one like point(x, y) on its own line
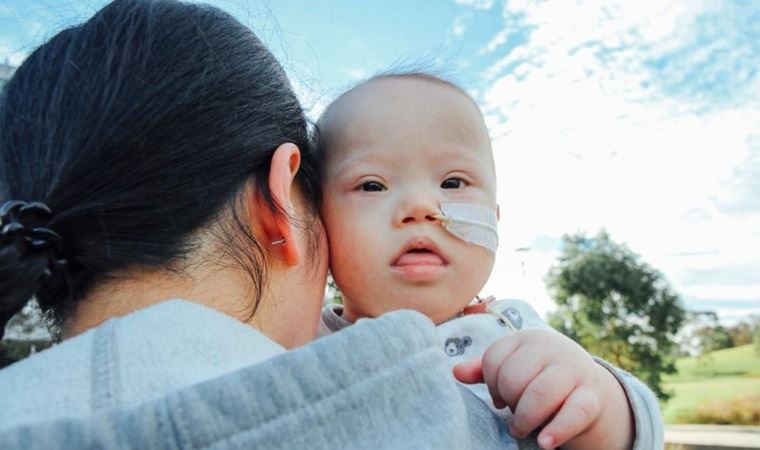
point(142, 130)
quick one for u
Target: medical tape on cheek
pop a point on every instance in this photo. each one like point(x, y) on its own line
point(471, 222)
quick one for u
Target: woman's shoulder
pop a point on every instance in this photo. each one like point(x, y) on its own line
point(129, 360)
point(48, 384)
point(381, 383)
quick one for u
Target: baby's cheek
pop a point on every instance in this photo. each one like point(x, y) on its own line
point(351, 256)
point(477, 267)
point(330, 216)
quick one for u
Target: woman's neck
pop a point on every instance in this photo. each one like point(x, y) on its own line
point(119, 297)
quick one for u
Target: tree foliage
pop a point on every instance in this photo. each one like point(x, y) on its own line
point(703, 332)
point(29, 324)
point(332, 293)
point(741, 333)
point(28, 331)
point(616, 306)
point(710, 333)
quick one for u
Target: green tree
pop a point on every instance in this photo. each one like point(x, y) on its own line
point(741, 333)
point(708, 332)
point(28, 331)
point(616, 306)
point(332, 293)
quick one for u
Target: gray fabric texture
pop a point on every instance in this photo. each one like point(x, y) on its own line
point(128, 361)
point(381, 384)
point(650, 433)
point(649, 429)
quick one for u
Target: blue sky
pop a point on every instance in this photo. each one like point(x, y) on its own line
point(639, 117)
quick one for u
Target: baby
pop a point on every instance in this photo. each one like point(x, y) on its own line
point(410, 211)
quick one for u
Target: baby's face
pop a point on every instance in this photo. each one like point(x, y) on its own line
point(397, 149)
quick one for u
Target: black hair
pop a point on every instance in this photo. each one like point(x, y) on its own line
point(137, 128)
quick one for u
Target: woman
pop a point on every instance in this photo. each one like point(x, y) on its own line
point(158, 152)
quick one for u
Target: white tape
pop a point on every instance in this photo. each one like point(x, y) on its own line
point(471, 222)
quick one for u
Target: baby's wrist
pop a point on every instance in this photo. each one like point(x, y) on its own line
point(613, 428)
point(615, 416)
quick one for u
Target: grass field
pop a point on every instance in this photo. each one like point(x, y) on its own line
point(720, 375)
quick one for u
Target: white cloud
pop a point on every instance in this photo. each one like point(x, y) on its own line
point(357, 73)
point(498, 40)
point(10, 56)
point(459, 27)
point(711, 292)
point(589, 135)
point(477, 4)
point(307, 90)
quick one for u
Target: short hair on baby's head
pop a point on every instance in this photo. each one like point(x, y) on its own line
point(418, 74)
point(323, 122)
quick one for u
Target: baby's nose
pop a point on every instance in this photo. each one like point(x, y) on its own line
point(419, 210)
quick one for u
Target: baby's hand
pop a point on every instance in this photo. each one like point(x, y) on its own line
point(547, 379)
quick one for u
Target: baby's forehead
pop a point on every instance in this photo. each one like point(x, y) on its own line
point(400, 91)
point(400, 108)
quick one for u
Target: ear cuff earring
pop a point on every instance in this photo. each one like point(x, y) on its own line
point(280, 241)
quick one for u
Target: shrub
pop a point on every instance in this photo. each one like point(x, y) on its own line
point(14, 350)
point(743, 410)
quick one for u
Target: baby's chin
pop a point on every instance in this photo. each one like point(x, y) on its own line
point(431, 303)
point(439, 317)
point(437, 311)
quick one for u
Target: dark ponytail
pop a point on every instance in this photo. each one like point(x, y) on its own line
point(136, 129)
point(30, 254)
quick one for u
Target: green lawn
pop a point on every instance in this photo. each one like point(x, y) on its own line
point(721, 375)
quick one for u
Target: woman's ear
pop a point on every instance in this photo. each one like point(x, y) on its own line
point(278, 225)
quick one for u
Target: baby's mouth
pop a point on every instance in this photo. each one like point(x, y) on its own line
point(419, 257)
point(419, 261)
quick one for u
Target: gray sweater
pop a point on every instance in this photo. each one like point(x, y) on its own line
point(481, 330)
point(370, 386)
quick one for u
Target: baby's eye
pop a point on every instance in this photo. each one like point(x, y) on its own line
point(453, 183)
point(372, 186)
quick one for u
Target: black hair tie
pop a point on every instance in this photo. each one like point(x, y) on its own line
point(20, 219)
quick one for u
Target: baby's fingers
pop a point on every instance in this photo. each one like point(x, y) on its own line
point(470, 371)
point(495, 357)
point(580, 410)
point(502, 382)
point(541, 400)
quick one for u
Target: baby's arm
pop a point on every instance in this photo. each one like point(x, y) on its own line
point(546, 378)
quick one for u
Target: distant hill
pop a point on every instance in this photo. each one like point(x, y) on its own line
point(719, 375)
